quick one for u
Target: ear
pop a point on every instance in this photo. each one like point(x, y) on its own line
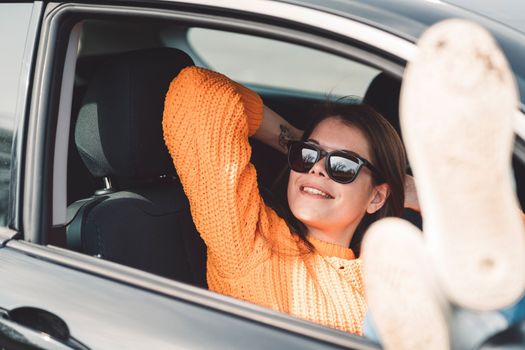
point(379, 197)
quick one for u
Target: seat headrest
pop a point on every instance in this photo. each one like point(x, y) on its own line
point(383, 95)
point(118, 132)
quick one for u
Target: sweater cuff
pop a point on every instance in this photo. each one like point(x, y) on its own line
point(253, 106)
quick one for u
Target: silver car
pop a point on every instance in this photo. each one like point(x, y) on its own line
point(97, 246)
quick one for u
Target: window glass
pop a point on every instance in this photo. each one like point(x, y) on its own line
point(14, 21)
point(249, 59)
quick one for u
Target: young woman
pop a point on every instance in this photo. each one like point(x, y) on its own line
point(347, 172)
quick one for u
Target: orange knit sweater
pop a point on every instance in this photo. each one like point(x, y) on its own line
point(252, 254)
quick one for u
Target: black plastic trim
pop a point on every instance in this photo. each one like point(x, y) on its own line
point(42, 126)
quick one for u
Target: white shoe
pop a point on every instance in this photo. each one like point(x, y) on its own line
point(403, 298)
point(458, 100)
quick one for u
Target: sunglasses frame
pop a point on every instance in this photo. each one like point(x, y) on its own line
point(321, 153)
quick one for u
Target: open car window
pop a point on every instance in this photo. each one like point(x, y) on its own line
point(119, 210)
point(271, 63)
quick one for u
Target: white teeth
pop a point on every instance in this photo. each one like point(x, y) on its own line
point(315, 191)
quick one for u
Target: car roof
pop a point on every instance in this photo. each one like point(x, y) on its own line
point(509, 12)
point(405, 18)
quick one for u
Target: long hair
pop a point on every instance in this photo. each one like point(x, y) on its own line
point(387, 155)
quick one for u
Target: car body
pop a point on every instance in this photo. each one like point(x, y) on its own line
point(105, 304)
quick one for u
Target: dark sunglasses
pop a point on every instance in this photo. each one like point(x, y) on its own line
point(341, 166)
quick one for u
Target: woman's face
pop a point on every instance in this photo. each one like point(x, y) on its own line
point(347, 203)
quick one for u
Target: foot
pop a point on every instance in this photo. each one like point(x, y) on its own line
point(403, 300)
point(458, 100)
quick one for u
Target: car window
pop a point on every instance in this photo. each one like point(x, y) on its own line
point(261, 61)
point(14, 21)
point(104, 43)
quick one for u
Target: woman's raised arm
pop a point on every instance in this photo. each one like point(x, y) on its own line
point(275, 131)
point(207, 121)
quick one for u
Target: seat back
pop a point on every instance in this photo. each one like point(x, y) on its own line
point(142, 218)
point(383, 95)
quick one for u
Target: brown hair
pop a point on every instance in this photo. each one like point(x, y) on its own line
point(387, 155)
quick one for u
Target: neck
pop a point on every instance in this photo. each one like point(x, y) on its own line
point(339, 237)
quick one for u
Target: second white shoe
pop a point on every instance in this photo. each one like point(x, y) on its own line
point(403, 298)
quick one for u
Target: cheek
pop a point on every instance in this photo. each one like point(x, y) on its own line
point(354, 198)
point(290, 193)
point(350, 207)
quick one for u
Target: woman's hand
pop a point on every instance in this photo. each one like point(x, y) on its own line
point(411, 200)
point(275, 131)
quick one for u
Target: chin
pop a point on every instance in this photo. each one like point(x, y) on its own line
point(307, 214)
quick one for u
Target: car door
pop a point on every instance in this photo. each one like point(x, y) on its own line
point(98, 303)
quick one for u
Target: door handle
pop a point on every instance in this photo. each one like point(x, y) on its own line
point(34, 328)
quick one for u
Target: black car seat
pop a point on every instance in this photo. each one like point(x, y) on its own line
point(383, 95)
point(141, 218)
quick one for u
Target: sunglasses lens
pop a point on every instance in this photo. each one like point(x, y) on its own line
point(301, 157)
point(343, 169)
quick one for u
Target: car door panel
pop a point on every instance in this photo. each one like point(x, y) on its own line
point(106, 314)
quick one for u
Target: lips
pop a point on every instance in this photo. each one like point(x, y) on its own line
point(315, 191)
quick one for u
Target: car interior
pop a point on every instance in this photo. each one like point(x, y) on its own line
point(124, 201)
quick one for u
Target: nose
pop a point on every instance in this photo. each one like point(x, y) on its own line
point(319, 168)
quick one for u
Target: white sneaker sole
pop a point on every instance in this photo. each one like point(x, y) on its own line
point(402, 296)
point(457, 105)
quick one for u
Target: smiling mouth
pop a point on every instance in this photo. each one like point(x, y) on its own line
point(315, 192)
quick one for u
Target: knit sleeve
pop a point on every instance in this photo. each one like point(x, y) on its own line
point(207, 121)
